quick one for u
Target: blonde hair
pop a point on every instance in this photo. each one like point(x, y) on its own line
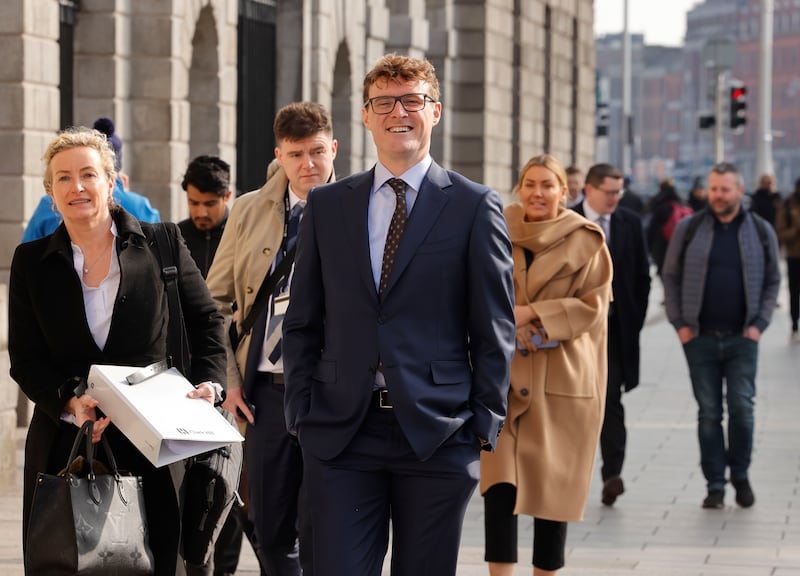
point(78, 137)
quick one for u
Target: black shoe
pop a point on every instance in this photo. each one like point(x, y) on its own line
point(744, 493)
point(612, 488)
point(715, 500)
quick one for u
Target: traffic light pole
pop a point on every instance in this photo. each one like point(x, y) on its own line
point(719, 124)
point(764, 145)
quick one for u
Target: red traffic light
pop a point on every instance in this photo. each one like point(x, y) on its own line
point(738, 92)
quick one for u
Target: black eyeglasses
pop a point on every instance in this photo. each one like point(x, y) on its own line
point(386, 104)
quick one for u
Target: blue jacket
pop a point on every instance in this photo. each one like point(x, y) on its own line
point(684, 282)
point(44, 221)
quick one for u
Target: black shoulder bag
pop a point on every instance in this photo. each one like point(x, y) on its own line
point(211, 480)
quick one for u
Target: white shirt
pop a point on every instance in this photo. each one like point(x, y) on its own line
point(98, 302)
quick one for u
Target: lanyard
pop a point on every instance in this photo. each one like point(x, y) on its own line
point(287, 213)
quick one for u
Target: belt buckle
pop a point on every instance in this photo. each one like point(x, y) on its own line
point(383, 400)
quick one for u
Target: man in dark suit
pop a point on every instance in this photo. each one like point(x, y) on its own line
point(631, 288)
point(397, 341)
point(260, 234)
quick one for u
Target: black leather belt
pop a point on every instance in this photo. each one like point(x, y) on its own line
point(381, 400)
point(274, 377)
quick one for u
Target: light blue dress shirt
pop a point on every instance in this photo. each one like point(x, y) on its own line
point(382, 202)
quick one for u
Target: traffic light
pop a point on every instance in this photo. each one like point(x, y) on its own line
point(738, 106)
point(601, 119)
point(706, 120)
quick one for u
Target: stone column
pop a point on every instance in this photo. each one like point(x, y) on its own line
point(29, 117)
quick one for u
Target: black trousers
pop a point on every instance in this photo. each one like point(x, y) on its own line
point(500, 524)
point(275, 473)
point(613, 436)
point(793, 269)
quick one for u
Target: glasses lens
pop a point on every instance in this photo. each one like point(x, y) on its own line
point(413, 102)
point(383, 104)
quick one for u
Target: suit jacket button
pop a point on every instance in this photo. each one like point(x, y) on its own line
point(381, 319)
point(267, 251)
point(248, 290)
point(524, 391)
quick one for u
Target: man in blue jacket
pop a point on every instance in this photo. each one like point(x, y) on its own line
point(721, 280)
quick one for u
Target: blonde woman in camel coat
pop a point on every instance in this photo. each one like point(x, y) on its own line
point(545, 453)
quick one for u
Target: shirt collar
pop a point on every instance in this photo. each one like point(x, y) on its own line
point(589, 212)
point(294, 199)
point(413, 176)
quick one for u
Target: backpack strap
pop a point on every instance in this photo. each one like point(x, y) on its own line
point(177, 340)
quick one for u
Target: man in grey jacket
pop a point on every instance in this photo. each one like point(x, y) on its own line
point(721, 280)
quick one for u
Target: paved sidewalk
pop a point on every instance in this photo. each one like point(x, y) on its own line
point(657, 527)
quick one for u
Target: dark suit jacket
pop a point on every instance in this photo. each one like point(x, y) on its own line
point(50, 342)
point(631, 285)
point(444, 330)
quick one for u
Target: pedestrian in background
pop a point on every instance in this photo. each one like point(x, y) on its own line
point(545, 452)
point(261, 233)
point(698, 197)
point(787, 226)
point(665, 210)
point(574, 186)
point(721, 281)
point(627, 312)
point(207, 182)
point(766, 199)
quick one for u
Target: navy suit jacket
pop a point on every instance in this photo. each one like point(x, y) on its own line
point(444, 330)
point(631, 285)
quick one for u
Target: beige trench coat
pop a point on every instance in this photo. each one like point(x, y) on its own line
point(557, 396)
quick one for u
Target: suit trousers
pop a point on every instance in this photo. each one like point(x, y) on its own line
point(275, 473)
point(613, 436)
point(377, 479)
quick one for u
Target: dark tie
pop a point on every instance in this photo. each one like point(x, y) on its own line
point(602, 221)
point(273, 345)
point(396, 227)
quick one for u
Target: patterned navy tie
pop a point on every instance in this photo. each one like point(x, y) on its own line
point(396, 227)
point(275, 328)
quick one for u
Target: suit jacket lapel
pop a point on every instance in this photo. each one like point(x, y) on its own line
point(429, 204)
point(355, 217)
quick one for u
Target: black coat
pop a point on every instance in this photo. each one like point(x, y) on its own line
point(202, 244)
point(631, 285)
point(50, 342)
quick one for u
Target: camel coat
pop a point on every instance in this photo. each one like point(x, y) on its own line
point(557, 396)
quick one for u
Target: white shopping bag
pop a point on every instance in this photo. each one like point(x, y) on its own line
point(155, 414)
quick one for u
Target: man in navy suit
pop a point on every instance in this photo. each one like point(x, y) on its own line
point(631, 288)
point(397, 341)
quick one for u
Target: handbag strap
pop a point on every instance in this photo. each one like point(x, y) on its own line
point(177, 340)
point(264, 293)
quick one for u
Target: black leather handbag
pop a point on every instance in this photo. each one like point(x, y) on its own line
point(88, 520)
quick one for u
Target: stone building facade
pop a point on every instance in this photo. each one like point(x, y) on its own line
point(517, 80)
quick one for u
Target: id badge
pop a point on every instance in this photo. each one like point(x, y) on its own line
point(281, 304)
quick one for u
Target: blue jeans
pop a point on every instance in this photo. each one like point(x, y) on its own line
point(733, 359)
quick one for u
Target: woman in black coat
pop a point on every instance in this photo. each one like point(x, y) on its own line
point(92, 293)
